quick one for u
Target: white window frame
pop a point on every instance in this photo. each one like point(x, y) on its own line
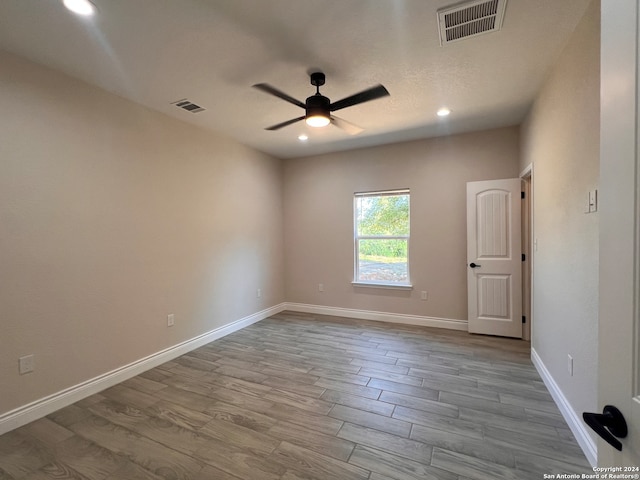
point(356, 238)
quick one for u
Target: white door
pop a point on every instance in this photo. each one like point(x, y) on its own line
point(619, 263)
point(494, 270)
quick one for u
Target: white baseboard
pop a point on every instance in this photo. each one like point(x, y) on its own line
point(448, 323)
point(573, 419)
point(38, 409)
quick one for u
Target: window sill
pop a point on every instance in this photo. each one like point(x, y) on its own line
point(390, 286)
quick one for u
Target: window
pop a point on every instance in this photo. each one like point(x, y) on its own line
point(382, 238)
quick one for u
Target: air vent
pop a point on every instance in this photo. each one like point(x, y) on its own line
point(188, 106)
point(470, 20)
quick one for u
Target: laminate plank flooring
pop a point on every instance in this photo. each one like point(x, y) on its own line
point(312, 397)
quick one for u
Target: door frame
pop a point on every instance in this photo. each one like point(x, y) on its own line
point(619, 253)
point(527, 243)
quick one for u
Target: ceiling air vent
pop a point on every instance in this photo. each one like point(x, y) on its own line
point(470, 19)
point(188, 106)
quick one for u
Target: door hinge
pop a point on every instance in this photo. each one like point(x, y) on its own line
point(524, 319)
point(524, 257)
point(521, 194)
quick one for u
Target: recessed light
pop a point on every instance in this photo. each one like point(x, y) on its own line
point(81, 7)
point(443, 112)
point(303, 137)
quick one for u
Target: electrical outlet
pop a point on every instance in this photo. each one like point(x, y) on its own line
point(259, 293)
point(321, 287)
point(26, 364)
point(570, 365)
point(171, 320)
point(423, 295)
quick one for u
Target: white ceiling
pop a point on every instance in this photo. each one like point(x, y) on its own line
point(155, 52)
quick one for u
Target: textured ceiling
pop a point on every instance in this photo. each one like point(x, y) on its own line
point(155, 52)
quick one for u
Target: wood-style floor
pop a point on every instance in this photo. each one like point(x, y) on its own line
point(300, 397)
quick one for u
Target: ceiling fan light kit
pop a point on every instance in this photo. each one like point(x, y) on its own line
point(317, 121)
point(318, 108)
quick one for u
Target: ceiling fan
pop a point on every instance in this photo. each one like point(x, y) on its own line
point(318, 108)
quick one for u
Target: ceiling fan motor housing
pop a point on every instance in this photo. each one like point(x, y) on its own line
point(317, 105)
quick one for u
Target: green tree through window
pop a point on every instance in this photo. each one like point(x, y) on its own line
point(382, 237)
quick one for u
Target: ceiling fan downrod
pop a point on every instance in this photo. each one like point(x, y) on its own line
point(317, 80)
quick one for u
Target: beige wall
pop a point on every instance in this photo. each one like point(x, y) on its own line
point(560, 137)
point(318, 199)
point(113, 216)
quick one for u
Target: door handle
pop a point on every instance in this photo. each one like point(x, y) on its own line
point(609, 424)
point(474, 265)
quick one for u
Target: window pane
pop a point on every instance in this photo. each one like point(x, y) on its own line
point(383, 215)
point(382, 260)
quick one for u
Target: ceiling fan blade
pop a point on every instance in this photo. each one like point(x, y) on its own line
point(361, 97)
point(348, 127)
point(284, 124)
point(274, 91)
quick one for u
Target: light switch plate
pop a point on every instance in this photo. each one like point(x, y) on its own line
point(593, 201)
